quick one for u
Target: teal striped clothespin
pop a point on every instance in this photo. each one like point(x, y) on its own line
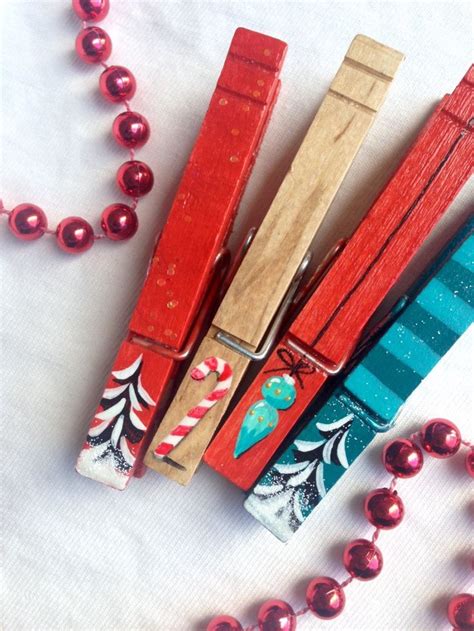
point(439, 310)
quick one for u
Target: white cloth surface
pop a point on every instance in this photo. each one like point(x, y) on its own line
point(78, 555)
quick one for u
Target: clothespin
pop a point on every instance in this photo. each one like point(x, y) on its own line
point(263, 291)
point(323, 337)
point(435, 315)
point(187, 269)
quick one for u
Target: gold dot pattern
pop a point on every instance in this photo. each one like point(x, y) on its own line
point(266, 52)
point(260, 82)
point(256, 93)
point(172, 304)
point(235, 132)
point(234, 158)
point(171, 269)
point(223, 102)
point(161, 282)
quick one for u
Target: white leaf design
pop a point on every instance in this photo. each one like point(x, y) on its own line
point(129, 457)
point(328, 448)
point(98, 429)
point(299, 478)
point(144, 394)
point(341, 451)
point(111, 393)
point(129, 371)
point(133, 398)
point(297, 507)
point(290, 468)
point(117, 431)
point(307, 445)
point(112, 412)
point(136, 421)
point(320, 480)
point(328, 427)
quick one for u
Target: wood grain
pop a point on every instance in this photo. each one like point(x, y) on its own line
point(307, 191)
point(286, 233)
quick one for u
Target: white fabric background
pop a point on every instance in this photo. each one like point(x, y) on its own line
point(80, 556)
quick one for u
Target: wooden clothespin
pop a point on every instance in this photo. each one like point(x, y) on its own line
point(436, 314)
point(186, 270)
point(251, 314)
point(325, 334)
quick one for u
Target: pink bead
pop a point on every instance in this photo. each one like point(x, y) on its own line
point(27, 222)
point(91, 10)
point(74, 235)
point(276, 615)
point(135, 178)
point(362, 559)
point(440, 438)
point(119, 222)
point(131, 130)
point(384, 508)
point(117, 84)
point(224, 623)
point(402, 458)
point(93, 45)
point(470, 462)
point(461, 612)
point(325, 597)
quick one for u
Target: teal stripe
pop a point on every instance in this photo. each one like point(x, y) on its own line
point(409, 349)
point(459, 280)
point(428, 328)
point(465, 254)
point(437, 299)
point(372, 392)
point(397, 376)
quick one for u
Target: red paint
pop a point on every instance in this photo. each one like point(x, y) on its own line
point(205, 205)
point(336, 315)
point(202, 214)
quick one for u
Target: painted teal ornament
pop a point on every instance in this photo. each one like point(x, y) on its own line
point(279, 393)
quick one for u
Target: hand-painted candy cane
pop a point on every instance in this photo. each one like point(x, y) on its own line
point(192, 418)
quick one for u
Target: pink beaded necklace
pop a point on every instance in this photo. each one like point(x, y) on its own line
point(130, 129)
point(362, 558)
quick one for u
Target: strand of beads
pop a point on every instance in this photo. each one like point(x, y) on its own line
point(362, 558)
point(130, 129)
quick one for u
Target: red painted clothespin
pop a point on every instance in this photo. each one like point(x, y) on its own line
point(327, 331)
point(186, 271)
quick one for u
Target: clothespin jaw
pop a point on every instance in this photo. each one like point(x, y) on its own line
point(261, 297)
point(329, 328)
point(438, 309)
point(190, 264)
